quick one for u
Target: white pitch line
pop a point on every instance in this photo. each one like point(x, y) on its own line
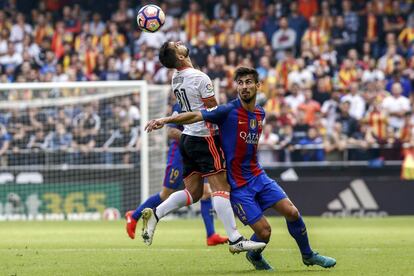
point(159, 249)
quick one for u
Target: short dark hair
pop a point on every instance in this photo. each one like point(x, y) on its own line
point(243, 71)
point(167, 56)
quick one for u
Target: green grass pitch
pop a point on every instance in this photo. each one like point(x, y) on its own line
point(361, 247)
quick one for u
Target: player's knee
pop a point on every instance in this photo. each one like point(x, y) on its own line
point(292, 214)
point(218, 182)
point(165, 193)
point(196, 194)
point(264, 232)
point(206, 194)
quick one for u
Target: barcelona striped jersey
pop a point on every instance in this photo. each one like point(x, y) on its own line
point(240, 131)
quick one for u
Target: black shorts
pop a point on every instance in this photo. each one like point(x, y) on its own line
point(202, 155)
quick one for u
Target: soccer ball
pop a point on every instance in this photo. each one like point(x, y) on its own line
point(150, 18)
point(111, 214)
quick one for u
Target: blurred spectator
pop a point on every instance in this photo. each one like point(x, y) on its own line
point(406, 134)
point(124, 136)
point(396, 105)
point(312, 139)
point(388, 62)
point(5, 139)
point(347, 74)
point(341, 38)
point(394, 22)
point(243, 24)
point(357, 103)
point(85, 129)
point(283, 39)
point(300, 127)
point(372, 73)
point(123, 14)
point(301, 75)
point(335, 143)
point(349, 124)
point(175, 33)
point(275, 101)
point(297, 22)
point(267, 142)
point(309, 107)
point(112, 39)
point(315, 35)
point(351, 21)
point(201, 51)
point(295, 98)
point(228, 7)
point(148, 63)
point(307, 8)
point(96, 25)
point(131, 111)
point(330, 110)
point(19, 29)
point(59, 139)
point(269, 23)
point(72, 23)
point(193, 21)
point(404, 82)
point(111, 73)
point(377, 120)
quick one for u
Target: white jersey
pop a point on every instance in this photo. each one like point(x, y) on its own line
point(190, 87)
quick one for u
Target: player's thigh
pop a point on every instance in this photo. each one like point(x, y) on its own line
point(218, 182)
point(206, 190)
point(194, 185)
point(270, 193)
point(286, 208)
point(262, 228)
point(206, 154)
point(166, 192)
point(187, 145)
point(173, 178)
point(245, 206)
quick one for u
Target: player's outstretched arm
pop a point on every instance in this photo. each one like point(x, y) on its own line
point(181, 119)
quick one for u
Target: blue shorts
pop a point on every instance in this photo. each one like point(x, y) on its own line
point(252, 199)
point(173, 178)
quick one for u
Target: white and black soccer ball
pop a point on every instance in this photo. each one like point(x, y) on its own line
point(150, 18)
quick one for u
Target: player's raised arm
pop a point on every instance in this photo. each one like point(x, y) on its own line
point(182, 119)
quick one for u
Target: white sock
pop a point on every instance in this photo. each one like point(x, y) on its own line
point(173, 202)
point(221, 204)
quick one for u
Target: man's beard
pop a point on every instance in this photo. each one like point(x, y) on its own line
point(247, 100)
point(188, 52)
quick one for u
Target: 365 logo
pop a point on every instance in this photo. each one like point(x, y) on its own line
point(355, 201)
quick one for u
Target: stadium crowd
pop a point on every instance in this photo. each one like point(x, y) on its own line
point(337, 76)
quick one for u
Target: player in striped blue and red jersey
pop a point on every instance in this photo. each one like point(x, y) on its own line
point(173, 181)
point(252, 191)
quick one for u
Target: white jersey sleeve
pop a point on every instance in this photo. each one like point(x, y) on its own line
point(205, 87)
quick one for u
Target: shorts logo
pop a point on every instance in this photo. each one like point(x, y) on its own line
point(212, 108)
point(238, 208)
point(253, 123)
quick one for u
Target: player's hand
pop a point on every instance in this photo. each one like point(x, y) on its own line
point(154, 125)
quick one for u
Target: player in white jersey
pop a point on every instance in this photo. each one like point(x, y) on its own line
point(201, 151)
point(194, 90)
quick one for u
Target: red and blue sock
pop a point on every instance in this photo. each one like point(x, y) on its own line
point(152, 202)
